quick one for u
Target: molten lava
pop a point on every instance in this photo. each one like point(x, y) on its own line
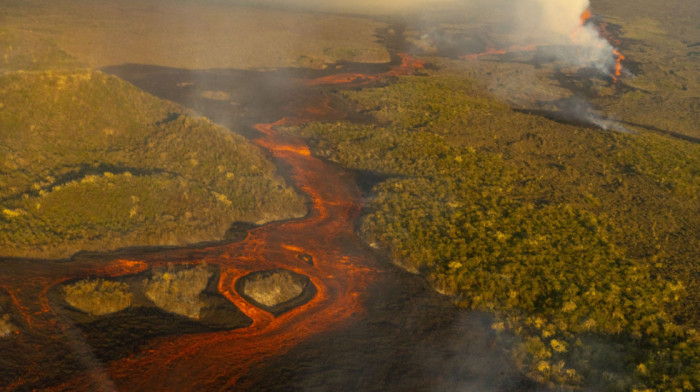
point(586, 16)
point(618, 64)
point(602, 29)
point(408, 65)
point(341, 271)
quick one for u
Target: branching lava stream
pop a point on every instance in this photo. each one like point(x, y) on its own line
point(341, 270)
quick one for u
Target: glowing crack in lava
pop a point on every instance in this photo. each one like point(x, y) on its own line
point(341, 270)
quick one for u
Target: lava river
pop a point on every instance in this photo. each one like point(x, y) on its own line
point(341, 270)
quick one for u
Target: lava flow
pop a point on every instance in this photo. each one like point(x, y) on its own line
point(408, 65)
point(341, 270)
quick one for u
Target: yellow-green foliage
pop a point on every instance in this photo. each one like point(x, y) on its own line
point(178, 291)
point(583, 242)
point(427, 106)
point(6, 326)
point(98, 296)
point(88, 161)
point(273, 289)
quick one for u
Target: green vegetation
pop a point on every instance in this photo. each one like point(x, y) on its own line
point(98, 296)
point(178, 291)
point(89, 162)
point(583, 242)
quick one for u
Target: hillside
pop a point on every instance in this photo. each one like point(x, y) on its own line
point(583, 241)
point(89, 162)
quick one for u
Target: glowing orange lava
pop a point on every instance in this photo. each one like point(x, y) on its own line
point(341, 271)
point(603, 32)
point(585, 16)
point(618, 64)
point(408, 65)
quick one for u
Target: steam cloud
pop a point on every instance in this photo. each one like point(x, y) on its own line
point(559, 23)
point(554, 25)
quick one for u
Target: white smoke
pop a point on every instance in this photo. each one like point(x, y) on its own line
point(579, 109)
point(553, 26)
point(561, 16)
point(552, 32)
point(556, 28)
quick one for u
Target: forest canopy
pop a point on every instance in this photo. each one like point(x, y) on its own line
point(583, 242)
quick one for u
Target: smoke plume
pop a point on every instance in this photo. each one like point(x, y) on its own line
point(555, 26)
point(562, 25)
point(557, 33)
